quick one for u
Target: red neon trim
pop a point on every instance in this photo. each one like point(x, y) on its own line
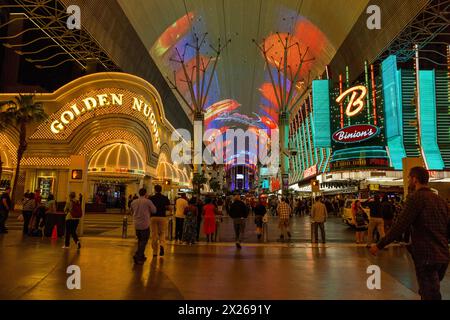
point(374, 95)
point(341, 106)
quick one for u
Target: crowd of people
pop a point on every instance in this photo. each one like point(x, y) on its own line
point(423, 216)
point(35, 213)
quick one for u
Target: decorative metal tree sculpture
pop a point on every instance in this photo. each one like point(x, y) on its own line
point(198, 78)
point(286, 89)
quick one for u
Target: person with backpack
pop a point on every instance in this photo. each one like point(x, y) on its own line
point(360, 220)
point(27, 212)
point(73, 213)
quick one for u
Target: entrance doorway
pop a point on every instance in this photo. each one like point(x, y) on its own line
point(111, 194)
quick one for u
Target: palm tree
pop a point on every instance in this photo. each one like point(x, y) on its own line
point(20, 113)
point(2, 127)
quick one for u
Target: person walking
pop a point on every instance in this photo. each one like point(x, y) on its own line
point(429, 217)
point(209, 219)
point(130, 200)
point(5, 207)
point(142, 208)
point(387, 212)
point(360, 220)
point(199, 217)
point(219, 218)
point(28, 207)
point(123, 204)
point(73, 213)
point(50, 205)
point(319, 214)
point(50, 208)
point(190, 222)
point(38, 217)
point(180, 205)
point(239, 213)
point(376, 221)
point(158, 221)
point(260, 211)
point(284, 212)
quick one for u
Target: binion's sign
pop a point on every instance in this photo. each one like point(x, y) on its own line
point(103, 101)
point(355, 133)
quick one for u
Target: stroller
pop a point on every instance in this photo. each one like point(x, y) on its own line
point(37, 222)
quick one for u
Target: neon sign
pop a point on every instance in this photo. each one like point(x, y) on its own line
point(356, 103)
point(355, 133)
point(312, 171)
point(103, 101)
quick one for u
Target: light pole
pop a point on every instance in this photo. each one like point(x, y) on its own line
point(286, 89)
point(198, 83)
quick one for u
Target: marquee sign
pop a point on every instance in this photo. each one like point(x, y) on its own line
point(90, 104)
point(312, 171)
point(355, 133)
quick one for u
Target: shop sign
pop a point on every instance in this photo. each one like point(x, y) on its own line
point(356, 133)
point(312, 171)
point(103, 101)
point(357, 163)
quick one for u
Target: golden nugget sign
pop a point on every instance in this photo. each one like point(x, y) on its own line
point(104, 101)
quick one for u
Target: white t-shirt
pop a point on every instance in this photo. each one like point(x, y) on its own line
point(180, 205)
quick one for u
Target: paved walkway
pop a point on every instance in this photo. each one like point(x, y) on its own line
point(33, 268)
point(110, 225)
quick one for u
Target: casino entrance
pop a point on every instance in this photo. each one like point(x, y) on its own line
point(115, 171)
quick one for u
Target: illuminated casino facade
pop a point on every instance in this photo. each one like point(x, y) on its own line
point(106, 136)
point(353, 137)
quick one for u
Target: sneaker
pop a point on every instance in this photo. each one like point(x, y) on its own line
point(64, 247)
point(161, 251)
point(78, 245)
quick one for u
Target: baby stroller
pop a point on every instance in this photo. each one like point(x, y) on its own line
point(37, 223)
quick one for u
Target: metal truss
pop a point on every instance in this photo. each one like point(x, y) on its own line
point(425, 30)
point(49, 17)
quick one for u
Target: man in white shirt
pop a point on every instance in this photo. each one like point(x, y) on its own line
point(180, 205)
point(141, 209)
point(319, 215)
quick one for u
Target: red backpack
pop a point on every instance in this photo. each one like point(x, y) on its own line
point(76, 212)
